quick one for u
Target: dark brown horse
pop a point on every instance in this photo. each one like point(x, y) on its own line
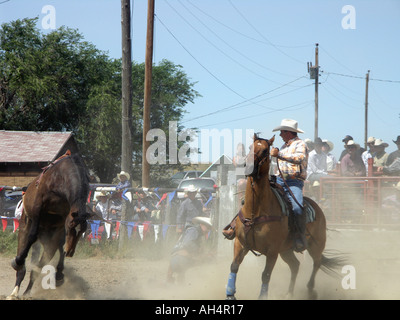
point(54, 208)
point(263, 227)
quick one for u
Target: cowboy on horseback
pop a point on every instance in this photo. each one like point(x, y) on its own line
point(292, 161)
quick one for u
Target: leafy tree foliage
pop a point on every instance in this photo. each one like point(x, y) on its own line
point(57, 81)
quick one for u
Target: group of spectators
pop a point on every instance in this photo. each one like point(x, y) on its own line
point(353, 161)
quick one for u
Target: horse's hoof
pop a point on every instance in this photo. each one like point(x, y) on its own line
point(12, 297)
point(230, 298)
point(59, 279)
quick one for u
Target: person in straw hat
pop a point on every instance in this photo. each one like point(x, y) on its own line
point(331, 162)
point(124, 179)
point(102, 206)
point(292, 164)
point(190, 249)
point(189, 208)
point(381, 156)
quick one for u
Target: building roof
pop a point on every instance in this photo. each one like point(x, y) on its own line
point(30, 146)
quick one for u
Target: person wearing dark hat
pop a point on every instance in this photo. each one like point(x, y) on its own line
point(392, 167)
point(292, 165)
point(352, 164)
point(345, 140)
point(395, 154)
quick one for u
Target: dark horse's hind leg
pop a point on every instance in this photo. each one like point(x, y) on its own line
point(60, 265)
point(26, 238)
point(52, 242)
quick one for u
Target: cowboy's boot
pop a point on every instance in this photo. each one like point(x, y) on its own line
point(300, 242)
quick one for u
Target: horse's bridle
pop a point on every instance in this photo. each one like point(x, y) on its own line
point(260, 159)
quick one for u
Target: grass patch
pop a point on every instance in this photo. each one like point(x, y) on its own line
point(8, 243)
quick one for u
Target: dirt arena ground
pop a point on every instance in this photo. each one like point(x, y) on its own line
point(375, 255)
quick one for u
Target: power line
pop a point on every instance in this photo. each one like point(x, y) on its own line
point(220, 50)
point(239, 105)
point(262, 35)
point(358, 77)
point(208, 71)
point(306, 103)
point(245, 35)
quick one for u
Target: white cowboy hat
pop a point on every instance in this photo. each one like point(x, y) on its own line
point(102, 194)
point(379, 142)
point(289, 125)
point(202, 220)
point(371, 140)
point(329, 143)
point(191, 188)
point(123, 173)
point(352, 143)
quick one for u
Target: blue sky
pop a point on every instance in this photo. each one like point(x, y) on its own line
point(249, 58)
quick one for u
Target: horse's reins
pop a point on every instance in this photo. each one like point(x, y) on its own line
point(248, 223)
point(287, 186)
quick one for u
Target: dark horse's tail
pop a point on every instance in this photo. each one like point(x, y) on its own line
point(332, 262)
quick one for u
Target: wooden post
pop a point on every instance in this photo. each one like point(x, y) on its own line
point(147, 92)
point(316, 92)
point(366, 110)
point(126, 152)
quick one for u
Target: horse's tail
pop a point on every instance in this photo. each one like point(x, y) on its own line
point(332, 262)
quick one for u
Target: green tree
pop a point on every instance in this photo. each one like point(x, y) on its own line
point(45, 79)
point(57, 81)
point(171, 91)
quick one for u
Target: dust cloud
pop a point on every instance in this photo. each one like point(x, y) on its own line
point(374, 254)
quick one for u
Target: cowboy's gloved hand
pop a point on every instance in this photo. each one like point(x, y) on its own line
point(274, 152)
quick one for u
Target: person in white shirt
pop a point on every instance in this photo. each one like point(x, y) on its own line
point(331, 162)
point(368, 154)
point(317, 163)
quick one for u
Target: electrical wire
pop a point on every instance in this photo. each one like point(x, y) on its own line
point(208, 71)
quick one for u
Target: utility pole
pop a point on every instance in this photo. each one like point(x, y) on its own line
point(147, 91)
point(314, 74)
point(316, 92)
point(126, 152)
point(366, 110)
